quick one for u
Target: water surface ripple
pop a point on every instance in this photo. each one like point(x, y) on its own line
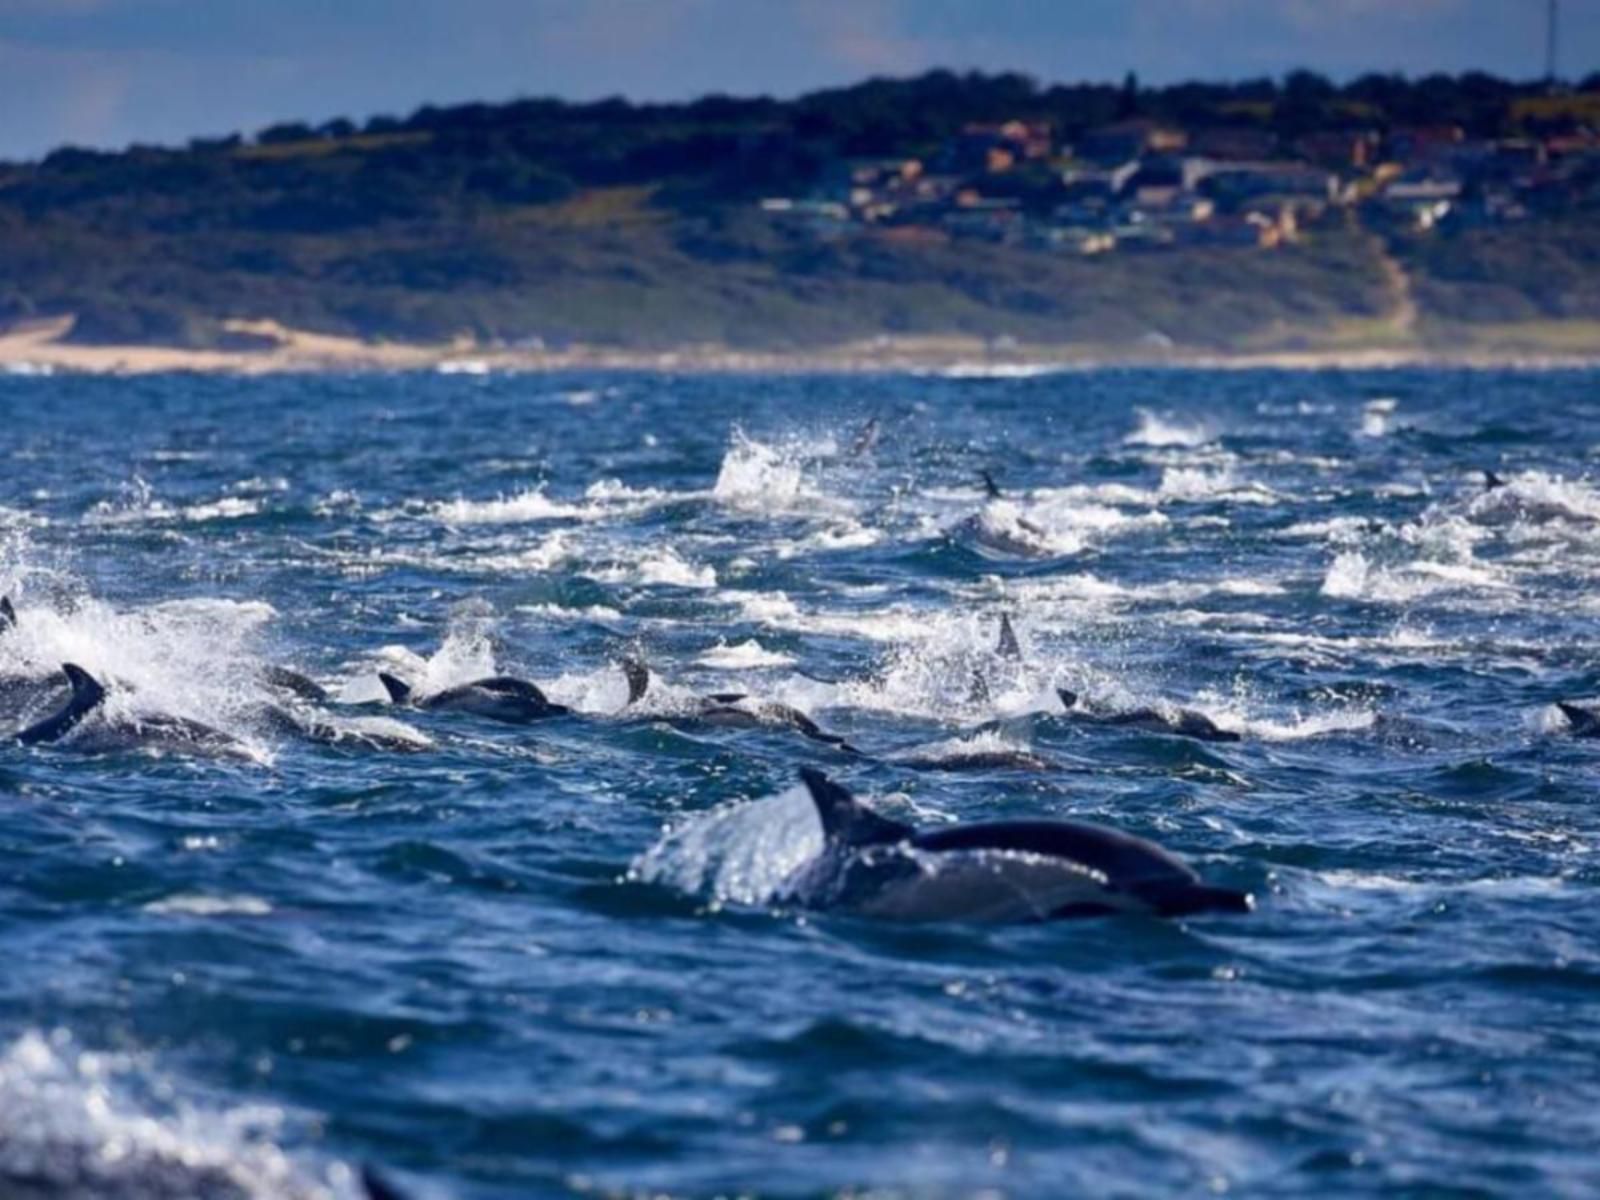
point(538, 961)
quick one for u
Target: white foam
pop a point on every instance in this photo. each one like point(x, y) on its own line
point(523, 508)
point(1163, 430)
point(193, 904)
point(83, 1123)
point(759, 477)
point(749, 655)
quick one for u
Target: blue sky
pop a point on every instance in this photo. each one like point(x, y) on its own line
point(110, 72)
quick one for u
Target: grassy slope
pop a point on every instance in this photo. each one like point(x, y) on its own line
point(613, 267)
point(608, 267)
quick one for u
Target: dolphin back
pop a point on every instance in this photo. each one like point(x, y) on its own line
point(87, 695)
point(638, 677)
point(1190, 899)
point(845, 820)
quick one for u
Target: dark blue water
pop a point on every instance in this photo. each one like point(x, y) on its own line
point(538, 961)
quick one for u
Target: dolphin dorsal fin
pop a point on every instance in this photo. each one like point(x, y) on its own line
point(1491, 480)
point(399, 691)
point(638, 676)
point(845, 819)
point(1069, 698)
point(1578, 718)
point(376, 1186)
point(8, 615)
point(978, 692)
point(1008, 646)
point(990, 487)
point(86, 689)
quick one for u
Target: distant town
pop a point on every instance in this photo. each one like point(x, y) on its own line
point(1147, 184)
point(1442, 213)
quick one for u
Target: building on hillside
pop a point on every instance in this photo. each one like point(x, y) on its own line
point(991, 149)
point(1126, 141)
point(1339, 149)
point(1233, 185)
point(1422, 143)
point(1421, 197)
point(1233, 143)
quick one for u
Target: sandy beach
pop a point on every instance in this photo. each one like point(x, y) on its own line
point(41, 347)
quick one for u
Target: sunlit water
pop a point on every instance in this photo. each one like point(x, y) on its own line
point(529, 961)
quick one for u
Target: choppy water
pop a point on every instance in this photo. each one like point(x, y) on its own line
point(537, 961)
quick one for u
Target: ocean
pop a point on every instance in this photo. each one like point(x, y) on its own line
point(497, 960)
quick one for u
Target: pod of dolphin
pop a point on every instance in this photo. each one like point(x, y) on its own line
point(870, 865)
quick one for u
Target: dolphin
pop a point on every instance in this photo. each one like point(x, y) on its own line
point(1492, 480)
point(866, 439)
point(1037, 870)
point(1000, 529)
point(22, 692)
point(87, 695)
point(378, 1186)
point(305, 725)
point(1585, 722)
point(157, 730)
point(1008, 649)
point(499, 698)
point(1182, 722)
point(1008, 646)
point(733, 710)
point(979, 760)
point(293, 683)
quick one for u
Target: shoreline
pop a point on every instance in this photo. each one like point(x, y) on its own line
point(40, 349)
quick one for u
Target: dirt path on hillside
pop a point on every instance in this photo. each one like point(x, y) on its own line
point(1403, 317)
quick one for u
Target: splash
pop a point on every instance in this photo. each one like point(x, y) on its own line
point(740, 853)
point(748, 655)
point(1162, 431)
point(87, 1124)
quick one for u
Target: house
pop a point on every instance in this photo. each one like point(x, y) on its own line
point(1234, 231)
point(1420, 143)
point(1232, 184)
point(1080, 186)
point(1072, 239)
point(1025, 139)
point(1125, 141)
point(1234, 143)
point(1422, 197)
point(994, 149)
point(824, 219)
point(1339, 149)
point(997, 221)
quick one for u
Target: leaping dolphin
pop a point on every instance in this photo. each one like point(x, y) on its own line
point(1006, 648)
point(1000, 529)
point(499, 698)
point(1037, 870)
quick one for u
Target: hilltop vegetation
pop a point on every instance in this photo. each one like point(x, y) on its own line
point(636, 225)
